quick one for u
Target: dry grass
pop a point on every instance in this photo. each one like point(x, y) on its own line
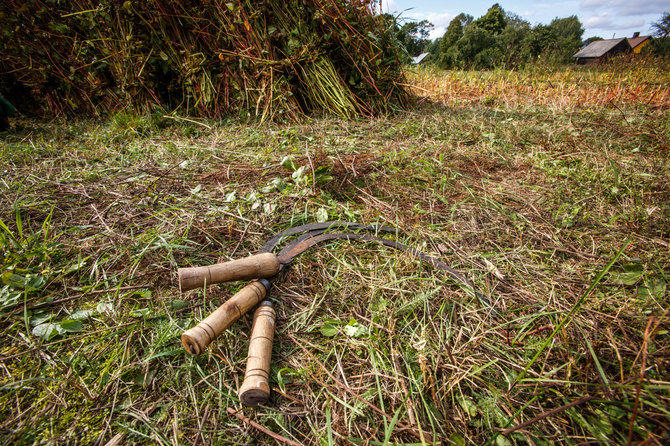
point(577, 87)
point(532, 200)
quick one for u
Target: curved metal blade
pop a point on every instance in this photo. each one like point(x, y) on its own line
point(319, 228)
point(303, 243)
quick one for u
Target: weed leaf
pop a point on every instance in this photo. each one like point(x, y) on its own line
point(142, 312)
point(81, 314)
point(322, 215)
point(632, 272)
point(328, 330)
point(71, 325)
point(355, 330)
point(47, 331)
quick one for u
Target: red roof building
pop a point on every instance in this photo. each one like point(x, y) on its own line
point(637, 42)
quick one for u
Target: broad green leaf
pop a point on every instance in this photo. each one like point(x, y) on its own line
point(34, 282)
point(39, 319)
point(296, 175)
point(329, 330)
point(322, 175)
point(71, 325)
point(47, 331)
point(288, 163)
point(142, 312)
point(13, 280)
point(8, 298)
point(657, 286)
point(502, 441)
point(458, 439)
point(322, 215)
point(355, 330)
point(81, 314)
point(632, 272)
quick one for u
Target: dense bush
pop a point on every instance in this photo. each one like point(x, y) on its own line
point(265, 58)
point(500, 38)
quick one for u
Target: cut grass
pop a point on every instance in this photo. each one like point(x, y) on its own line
point(528, 198)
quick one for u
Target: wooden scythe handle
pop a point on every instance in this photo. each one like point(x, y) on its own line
point(196, 339)
point(253, 267)
point(255, 389)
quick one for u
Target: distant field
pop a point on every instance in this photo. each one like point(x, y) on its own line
point(549, 189)
point(645, 84)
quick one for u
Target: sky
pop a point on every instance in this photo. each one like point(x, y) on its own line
point(603, 18)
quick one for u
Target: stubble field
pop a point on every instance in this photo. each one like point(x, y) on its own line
point(550, 190)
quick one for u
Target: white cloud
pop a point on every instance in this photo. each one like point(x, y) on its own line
point(592, 4)
point(389, 6)
point(627, 7)
point(605, 21)
point(600, 21)
point(440, 21)
point(569, 5)
point(633, 23)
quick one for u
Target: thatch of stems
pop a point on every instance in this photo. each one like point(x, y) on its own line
point(269, 59)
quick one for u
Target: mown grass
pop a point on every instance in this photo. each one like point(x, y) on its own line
point(532, 196)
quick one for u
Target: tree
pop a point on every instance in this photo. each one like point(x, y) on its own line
point(493, 21)
point(453, 34)
point(465, 19)
point(433, 49)
point(512, 37)
point(537, 41)
point(568, 34)
point(414, 36)
point(662, 27)
point(478, 48)
point(569, 29)
point(660, 46)
point(556, 42)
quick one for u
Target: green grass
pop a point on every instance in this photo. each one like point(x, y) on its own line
point(531, 200)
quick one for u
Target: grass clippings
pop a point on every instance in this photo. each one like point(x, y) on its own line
point(531, 199)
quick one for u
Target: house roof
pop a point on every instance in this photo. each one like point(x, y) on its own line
point(635, 41)
point(599, 48)
point(419, 58)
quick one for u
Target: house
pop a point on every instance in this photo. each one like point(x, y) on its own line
point(417, 60)
point(637, 42)
point(600, 50)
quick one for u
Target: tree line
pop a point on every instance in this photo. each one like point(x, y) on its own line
point(502, 38)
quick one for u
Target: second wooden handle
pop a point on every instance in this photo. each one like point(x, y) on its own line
point(253, 267)
point(255, 389)
point(196, 339)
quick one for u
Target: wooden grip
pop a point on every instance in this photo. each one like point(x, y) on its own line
point(196, 339)
point(253, 267)
point(255, 389)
